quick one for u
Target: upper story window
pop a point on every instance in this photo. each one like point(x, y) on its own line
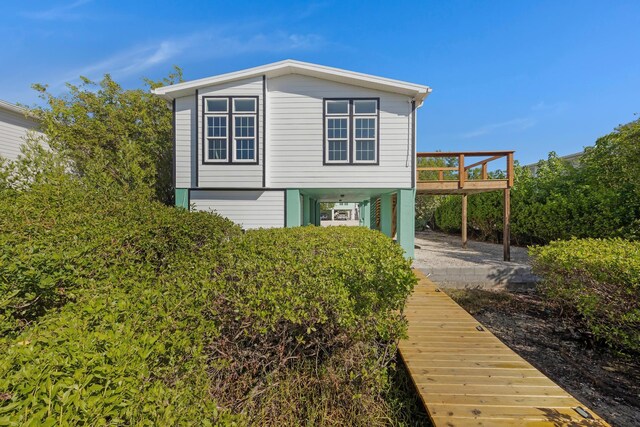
point(230, 134)
point(351, 131)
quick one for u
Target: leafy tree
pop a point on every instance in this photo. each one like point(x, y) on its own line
point(116, 134)
point(599, 198)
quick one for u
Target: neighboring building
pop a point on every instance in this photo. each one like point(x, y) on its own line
point(573, 159)
point(15, 123)
point(344, 210)
point(264, 146)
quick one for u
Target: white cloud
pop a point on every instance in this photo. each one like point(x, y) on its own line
point(60, 12)
point(200, 45)
point(510, 125)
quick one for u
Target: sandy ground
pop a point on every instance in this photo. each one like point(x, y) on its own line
point(443, 250)
point(555, 342)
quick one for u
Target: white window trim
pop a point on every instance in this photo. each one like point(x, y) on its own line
point(374, 139)
point(327, 139)
point(207, 137)
point(206, 106)
point(239, 98)
point(254, 137)
point(374, 114)
point(326, 107)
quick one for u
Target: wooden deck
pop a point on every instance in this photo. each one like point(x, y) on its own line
point(468, 377)
point(438, 173)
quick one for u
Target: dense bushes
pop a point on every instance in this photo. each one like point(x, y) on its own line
point(600, 280)
point(97, 325)
point(322, 303)
point(117, 310)
point(600, 198)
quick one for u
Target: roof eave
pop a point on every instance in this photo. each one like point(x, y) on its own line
point(296, 67)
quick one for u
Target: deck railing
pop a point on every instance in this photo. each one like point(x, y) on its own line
point(460, 173)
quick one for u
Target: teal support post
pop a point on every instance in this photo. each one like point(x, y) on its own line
point(312, 212)
point(365, 214)
point(293, 208)
point(386, 210)
point(182, 198)
point(317, 218)
point(306, 210)
point(406, 220)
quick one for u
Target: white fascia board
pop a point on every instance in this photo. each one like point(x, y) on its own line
point(12, 107)
point(418, 92)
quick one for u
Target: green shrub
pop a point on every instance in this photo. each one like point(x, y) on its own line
point(65, 235)
point(97, 325)
point(289, 296)
point(117, 310)
point(598, 278)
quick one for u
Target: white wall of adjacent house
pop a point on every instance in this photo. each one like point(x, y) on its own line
point(295, 132)
point(14, 127)
point(247, 208)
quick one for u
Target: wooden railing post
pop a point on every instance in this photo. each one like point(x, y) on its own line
point(464, 221)
point(510, 169)
point(506, 227)
point(484, 171)
point(461, 171)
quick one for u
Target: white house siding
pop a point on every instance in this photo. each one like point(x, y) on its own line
point(295, 137)
point(13, 132)
point(232, 175)
point(185, 119)
point(247, 208)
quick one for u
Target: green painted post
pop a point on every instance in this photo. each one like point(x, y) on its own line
point(365, 214)
point(293, 208)
point(317, 213)
point(182, 198)
point(306, 210)
point(406, 220)
point(386, 210)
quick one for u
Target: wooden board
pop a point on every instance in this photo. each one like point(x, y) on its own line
point(467, 377)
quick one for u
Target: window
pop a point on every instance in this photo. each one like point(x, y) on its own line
point(230, 130)
point(365, 139)
point(351, 131)
point(338, 139)
point(216, 130)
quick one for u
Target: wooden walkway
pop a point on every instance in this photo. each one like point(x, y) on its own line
point(468, 377)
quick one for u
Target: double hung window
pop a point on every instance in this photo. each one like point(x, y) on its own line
point(351, 131)
point(230, 130)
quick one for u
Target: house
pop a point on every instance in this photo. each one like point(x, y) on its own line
point(264, 146)
point(347, 211)
point(15, 124)
point(573, 159)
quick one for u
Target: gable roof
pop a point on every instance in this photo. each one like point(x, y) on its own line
point(289, 66)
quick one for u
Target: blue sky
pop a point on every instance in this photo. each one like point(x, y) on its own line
point(533, 76)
